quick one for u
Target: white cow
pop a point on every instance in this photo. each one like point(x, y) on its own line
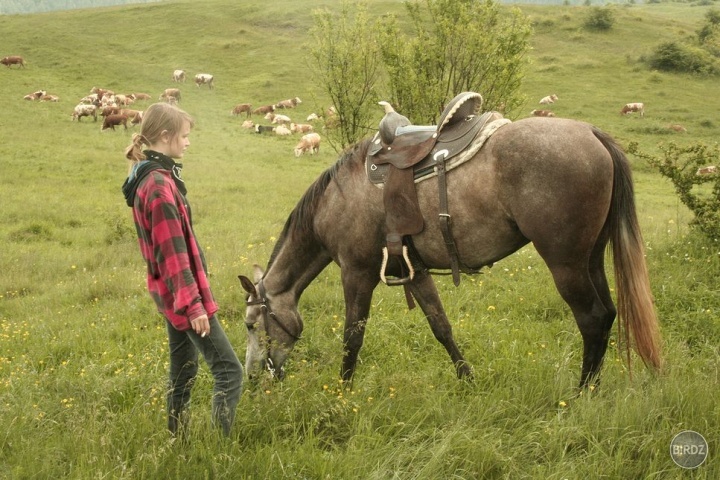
point(204, 79)
point(179, 76)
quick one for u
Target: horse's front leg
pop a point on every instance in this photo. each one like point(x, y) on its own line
point(424, 290)
point(358, 289)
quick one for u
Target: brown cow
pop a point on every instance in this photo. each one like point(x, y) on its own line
point(169, 93)
point(264, 109)
point(542, 113)
point(13, 60)
point(112, 120)
point(240, 108)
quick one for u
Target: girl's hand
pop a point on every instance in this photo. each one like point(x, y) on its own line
point(201, 325)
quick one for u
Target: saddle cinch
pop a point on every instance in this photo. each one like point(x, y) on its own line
point(400, 156)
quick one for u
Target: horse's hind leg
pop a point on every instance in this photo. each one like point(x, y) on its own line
point(424, 290)
point(586, 292)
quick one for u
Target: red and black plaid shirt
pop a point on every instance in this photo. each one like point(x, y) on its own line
point(177, 272)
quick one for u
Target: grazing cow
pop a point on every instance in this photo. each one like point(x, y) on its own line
point(282, 130)
point(204, 79)
point(301, 127)
point(279, 119)
point(710, 169)
point(114, 120)
point(101, 92)
point(179, 76)
point(248, 124)
point(240, 108)
point(93, 98)
point(139, 96)
point(264, 109)
point(132, 115)
point(109, 110)
point(264, 128)
point(171, 93)
point(13, 60)
point(549, 99)
point(308, 143)
point(289, 103)
point(83, 110)
point(677, 128)
point(633, 107)
point(121, 100)
point(542, 113)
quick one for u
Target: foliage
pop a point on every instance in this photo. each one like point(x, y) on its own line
point(680, 57)
point(680, 165)
point(690, 56)
point(599, 19)
point(345, 59)
point(453, 46)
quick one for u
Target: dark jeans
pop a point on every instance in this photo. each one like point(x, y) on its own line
point(224, 365)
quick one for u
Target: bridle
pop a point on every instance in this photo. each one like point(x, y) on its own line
point(263, 301)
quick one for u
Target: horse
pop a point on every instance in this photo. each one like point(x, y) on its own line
point(562, 184)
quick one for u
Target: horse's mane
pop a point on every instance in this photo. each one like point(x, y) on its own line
point(301, 218)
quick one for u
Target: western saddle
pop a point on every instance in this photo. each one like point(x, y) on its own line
point(417, 151)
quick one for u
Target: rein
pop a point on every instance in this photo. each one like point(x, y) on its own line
point(265, 303)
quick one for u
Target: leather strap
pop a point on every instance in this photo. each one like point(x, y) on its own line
point(445, 218)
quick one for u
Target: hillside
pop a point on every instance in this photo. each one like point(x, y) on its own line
point(84, 354)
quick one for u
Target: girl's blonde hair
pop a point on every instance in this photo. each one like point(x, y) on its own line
point(157, 118)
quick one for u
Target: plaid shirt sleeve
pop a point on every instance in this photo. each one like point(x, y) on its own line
point(177, 279)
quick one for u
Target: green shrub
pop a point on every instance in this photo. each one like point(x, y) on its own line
point(600, 19)
point(678, 57)
point(699, 192)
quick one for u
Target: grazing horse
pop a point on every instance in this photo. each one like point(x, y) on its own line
point(561, 184)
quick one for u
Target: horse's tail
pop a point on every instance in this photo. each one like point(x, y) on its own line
point(636, 313)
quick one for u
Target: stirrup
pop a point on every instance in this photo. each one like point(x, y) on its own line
point(397, 281)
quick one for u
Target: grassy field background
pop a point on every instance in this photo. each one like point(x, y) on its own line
point(83, 358)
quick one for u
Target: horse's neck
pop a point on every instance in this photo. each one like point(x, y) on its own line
point(296, 264)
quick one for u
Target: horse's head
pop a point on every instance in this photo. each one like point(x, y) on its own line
point(273, 327)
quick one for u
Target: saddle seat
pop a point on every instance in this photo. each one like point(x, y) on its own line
point(397, 160)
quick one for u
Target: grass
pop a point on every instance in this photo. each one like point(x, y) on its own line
point(84, 360)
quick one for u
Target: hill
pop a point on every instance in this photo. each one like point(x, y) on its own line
point(83, 364)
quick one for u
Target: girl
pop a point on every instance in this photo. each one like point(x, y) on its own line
point(176, 269)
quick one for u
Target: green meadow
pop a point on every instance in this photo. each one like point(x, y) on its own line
point(83, 355)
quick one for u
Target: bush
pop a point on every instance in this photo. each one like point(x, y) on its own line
point(700, 193)
point(600, 19)
point(677, 57)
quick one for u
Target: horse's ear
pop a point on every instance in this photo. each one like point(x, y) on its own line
point(247, 285)
point(258, 272)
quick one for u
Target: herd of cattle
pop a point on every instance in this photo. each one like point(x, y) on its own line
point(633, 107)
point(116, 110)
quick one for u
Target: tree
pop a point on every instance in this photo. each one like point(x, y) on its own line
point(346, 60)
point(444, 47)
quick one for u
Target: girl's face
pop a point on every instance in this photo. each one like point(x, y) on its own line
point(174, 146)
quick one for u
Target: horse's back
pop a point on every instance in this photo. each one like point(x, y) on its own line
point(541, 180)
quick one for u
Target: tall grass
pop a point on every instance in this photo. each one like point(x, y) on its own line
point(83, 358)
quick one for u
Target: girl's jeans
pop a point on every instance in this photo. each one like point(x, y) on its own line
point(224, 365)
